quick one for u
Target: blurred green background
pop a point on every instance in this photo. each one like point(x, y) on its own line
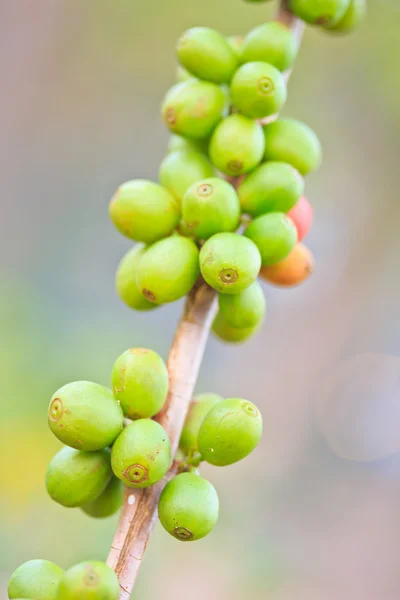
point(314, 513)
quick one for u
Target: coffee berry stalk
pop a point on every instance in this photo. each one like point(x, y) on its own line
point(227, 212)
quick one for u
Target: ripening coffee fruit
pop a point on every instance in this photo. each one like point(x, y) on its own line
point(179, 170)
point(244, 310)
point(38, 579)
point(140, 382)
point(258, 90)
point(352, 18)
point(209, 207)
point(188, 507)
point(193, 108)
point(232, 335)
point(292, 270)
point(293, 142)
point(272, 43)
point(206, 54)
point(182, 74)
point(275, 236)
point(144, 211)
point(168, 270)
point(141, 455)
point(199, 407)
point(75, 478)
point(236, 44)
point(85, 415)
point(302, 216)
point(230, 431)
point(229, 262)
point(178, 142)
point(109, 501)
point(273, 186)
point(319, 12)
point(92, 580)
point(237, 145)
point(125, 280)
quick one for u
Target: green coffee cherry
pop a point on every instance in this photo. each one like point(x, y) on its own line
point(125, 280)
point(230, 431)
point(206, 54)
point(188, 507)
point(244, 310)
point(272, 43)
point(232, 335)
point(140, 382)
point(275, 236)
point(177, 142)
point(144, 211)
point(258, 90)
point(193, 108)
point(319, 12)
point(236, 43)
point(109, 501)
point(168, 270)
point(85, 415)
point(75, 478)
point(352, 18)
point(209, 207)
point(92, 580)
point(237, 145)
point(293, 142)
point(38, 579)
point(229, 262)
point(199, 407)
point(141, 455)
point(182, 74)
point(273, 186)
point(179, 170)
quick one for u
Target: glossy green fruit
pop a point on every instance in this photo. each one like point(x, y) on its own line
point(141, 455)
point(182, 74)
point(272, 43)
point(181, 169)
point(206, 54)
point(352, 18)
point(319, 12)
point(188, 507)
point(75, 478)
point(109, 501)
point(169, 269)
point(273, 186)
point(258, 90)
point(92, 580)
point(178, 142)
point(209, 207)
point(36, 579)
point(237, 145)
point(236, 44)
point(230, 431)
point(193, 108)
point(274, 234)
point(125, 280)
point(144, 211)
point(293, 142)
point(199, 407)
point(140, 382)
point(85, 415)
point(229, 262)
point(244, 310)
point(232, 335)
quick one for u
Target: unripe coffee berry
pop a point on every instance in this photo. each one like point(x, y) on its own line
point(291, 271)
point(244, 310)
point(109, 501)
point(302, 216)
point(236, 43)
point(275, 236)
point(319, 12)
point(352, 18)
point(199, 407)
point(179, 170)
point(38, 579)
point(258, 90)
point(232, 335)
point(272, 43)
point(92, 580)
point(125, 280)
point(178, 142)
point(188, 507)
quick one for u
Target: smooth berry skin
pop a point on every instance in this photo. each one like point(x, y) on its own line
point(272, 43)
point(237, 145)
point(302, 215)
point(258, 90)
point(188, 507)
point(273, 186)
point(108, 503)
point(182, 74)
point(244, 310)
point(199, 407)
point(230, 432)
point(140, 383)
point(319, 12)
point(193, 108)
point(223, 331)
point(181, 169)
point(37, 579)
point(293, 142)
point(291, 271)
point(229, 262)
point(178, 142)
point(168, 270)
point(206, 54)
point(125, 280)
point(210, 206)
point(92, 580)
point(75, 478)
point(141, 455)
point(236, 44)
point(275, 236)
point(352, 18)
